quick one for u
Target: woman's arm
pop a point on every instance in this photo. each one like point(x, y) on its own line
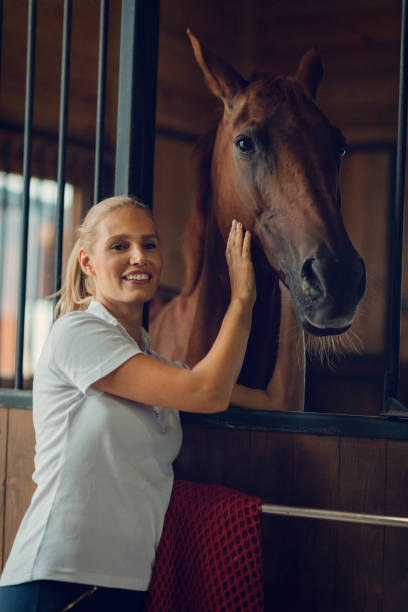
point(207, 387)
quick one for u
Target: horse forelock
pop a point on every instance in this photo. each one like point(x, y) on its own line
point(268, 94)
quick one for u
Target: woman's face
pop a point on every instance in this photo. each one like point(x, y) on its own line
point(125, 259)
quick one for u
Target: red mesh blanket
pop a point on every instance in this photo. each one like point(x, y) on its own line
point(209, 556)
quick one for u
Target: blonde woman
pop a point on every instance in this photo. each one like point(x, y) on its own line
point(105, 411)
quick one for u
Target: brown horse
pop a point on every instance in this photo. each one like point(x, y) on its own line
point(272, 162)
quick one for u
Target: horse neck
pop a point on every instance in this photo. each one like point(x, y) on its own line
point(262, 349)
point(211, 298)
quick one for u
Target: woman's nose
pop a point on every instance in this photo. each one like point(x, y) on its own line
point(138, 256)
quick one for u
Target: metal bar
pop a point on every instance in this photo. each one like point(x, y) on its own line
point(389, 426)
point(5, 471)
point(1, 39)
point(3, 237)
point(16, 398)
point(397, 222)
point(100, 105)
point(335, 515)
point(137, 99)
point(62, 148)
point(386, 427)
point(28, 122)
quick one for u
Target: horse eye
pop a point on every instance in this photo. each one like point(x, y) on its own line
point(245, 144)
point(342, 151)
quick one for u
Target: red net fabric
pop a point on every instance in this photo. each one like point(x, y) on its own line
point(209, 557)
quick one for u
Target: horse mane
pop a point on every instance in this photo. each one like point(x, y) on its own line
point(194, 233)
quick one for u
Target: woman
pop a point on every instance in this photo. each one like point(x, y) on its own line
point(104, 448)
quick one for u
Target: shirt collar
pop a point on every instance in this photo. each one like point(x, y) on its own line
point(97, 309)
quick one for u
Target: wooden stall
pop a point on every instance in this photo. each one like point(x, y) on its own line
point(309, 566)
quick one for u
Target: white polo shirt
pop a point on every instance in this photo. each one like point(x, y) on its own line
point(103, 465)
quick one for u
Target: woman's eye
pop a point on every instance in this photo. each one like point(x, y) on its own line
point(150, 245)
point(245, 144)
point(120, 246)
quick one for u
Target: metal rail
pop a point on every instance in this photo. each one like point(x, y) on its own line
point(62, 140)
point(101, 99)
point(335, 515)
point(397, 225)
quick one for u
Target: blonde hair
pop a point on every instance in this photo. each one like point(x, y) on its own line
point(77, 290)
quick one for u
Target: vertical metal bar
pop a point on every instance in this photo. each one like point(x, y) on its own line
point(100, 106)
point(28, 124)
point(137, 98)
point(1, 37)
point(3, 237)
point(397, 222)
point(62, 138)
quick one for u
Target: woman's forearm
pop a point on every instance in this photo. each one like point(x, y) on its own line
point(220, 368)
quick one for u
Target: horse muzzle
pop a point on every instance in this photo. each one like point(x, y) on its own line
point(328, 291)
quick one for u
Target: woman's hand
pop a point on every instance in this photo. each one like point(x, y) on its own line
point(241, 269)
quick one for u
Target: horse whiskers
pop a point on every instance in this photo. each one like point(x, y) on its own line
point(328, 349)
point(300, 350)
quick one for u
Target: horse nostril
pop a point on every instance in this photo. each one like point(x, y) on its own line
point(310, 284)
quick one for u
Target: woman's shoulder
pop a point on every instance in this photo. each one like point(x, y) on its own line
point(74, 318)
point(79, 321)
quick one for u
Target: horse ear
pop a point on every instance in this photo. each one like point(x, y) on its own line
point(310, 71)
point(221, 79)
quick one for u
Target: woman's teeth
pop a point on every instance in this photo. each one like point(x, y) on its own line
point(136, 277)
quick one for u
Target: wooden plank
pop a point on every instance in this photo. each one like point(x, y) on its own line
point(311, 564)
point(3, 463)
point(365, 190)
point(271, 466)
point(396, 540)
point(20, 466)
point(191, 462)
point(306, 562)
point(227, 458)
point(271, 474)
point(359, 555)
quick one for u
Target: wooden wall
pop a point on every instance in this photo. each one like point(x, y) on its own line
point(358, 41)
point(16, 468)
point(313, 565)
point(310, 565)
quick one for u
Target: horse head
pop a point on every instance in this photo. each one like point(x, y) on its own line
point(275, 167)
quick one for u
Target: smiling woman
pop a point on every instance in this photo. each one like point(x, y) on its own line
point(105, 412)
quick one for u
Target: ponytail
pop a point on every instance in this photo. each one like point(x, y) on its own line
point(78, 288)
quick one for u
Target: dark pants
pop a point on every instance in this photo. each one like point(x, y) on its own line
point(55, 596)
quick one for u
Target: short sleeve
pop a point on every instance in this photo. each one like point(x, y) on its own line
point(85, 348)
